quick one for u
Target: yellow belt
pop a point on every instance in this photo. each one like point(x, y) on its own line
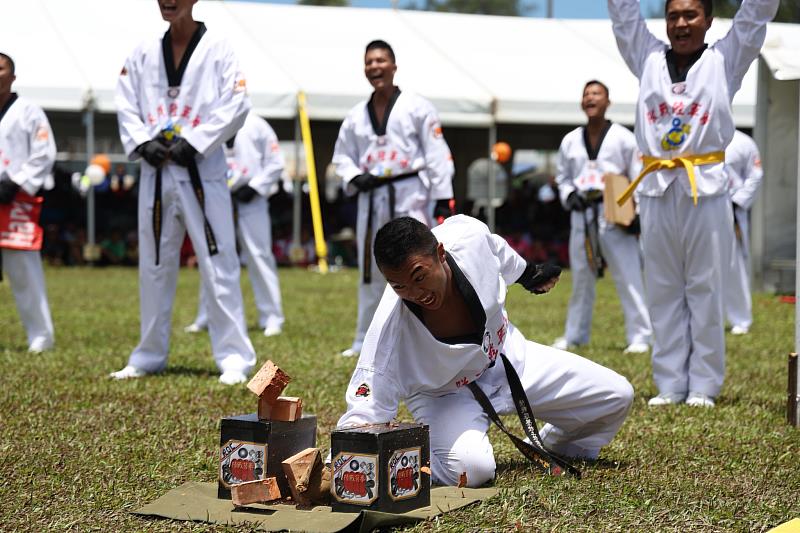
point(653, 164)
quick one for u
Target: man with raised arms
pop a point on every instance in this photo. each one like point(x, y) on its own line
point(442, 325)
point(684, 122)
point(27, 155)
point(391, 152)
point(179, 98)
point(586, 155)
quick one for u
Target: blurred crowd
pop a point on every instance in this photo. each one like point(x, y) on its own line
point(531, 219)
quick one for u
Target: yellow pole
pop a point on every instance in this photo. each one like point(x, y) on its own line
point(313, 189)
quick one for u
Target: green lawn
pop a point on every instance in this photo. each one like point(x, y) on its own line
point(79, 451)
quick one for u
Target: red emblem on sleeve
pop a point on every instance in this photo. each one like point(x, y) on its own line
point(362, 391)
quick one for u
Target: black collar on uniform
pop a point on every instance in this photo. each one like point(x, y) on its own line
point(174, 77)
point(676, 76)
point(8, 105)
point(474, 305)
point(592, 152)
point(380, 129)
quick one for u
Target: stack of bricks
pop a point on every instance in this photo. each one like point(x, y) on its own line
point(268, 384)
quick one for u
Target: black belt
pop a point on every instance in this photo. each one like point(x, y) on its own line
point(197, 185)
point(591, 239)
point(380, 182)
point(535, 450)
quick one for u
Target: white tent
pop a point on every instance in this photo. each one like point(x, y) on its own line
point(529, 71)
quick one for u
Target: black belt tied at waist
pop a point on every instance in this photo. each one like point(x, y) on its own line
point(380, 182)
point(197, 186)
point(534, 450)
point(591, 239)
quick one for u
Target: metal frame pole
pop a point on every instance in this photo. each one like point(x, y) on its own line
point(793, 406)
point(90, 210)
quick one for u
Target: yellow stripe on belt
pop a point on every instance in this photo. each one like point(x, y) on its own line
point(653, 164)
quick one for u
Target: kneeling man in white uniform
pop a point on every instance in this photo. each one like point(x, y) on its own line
point(442, 324)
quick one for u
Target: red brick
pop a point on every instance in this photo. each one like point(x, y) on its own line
point(284, 409)
point(259, 491)
point(269, 382)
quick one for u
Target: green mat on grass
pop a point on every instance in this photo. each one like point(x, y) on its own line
point(198, 502)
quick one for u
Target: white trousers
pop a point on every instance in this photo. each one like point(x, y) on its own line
point(686, 253)
point(23, 270)
point(219, 273)
point(412, 201)
point(621, 252)
point(583, 404)
point(738, 300)
point(254, 234)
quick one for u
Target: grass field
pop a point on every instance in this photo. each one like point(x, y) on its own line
point(79, 452)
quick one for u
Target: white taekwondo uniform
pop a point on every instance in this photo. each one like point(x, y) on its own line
point(687, 247)
point(409, 139)
point(255, 160)
point(581, 169)
point(27, 155)
point(583, 403)
point(745, 173)
point(205, 102)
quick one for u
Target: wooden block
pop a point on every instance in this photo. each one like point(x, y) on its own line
point(285, 409)
point(259, 491)
point(269, 382)
point(614, 186)
point(297, 469)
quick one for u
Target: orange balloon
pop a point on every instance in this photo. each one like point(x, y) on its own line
point(501, 152)
point(102, 161)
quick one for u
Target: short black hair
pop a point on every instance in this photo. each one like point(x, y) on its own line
point(597, 82)
point(10, 61)
point(380, 44)
point(708, 7)
point(401, 238)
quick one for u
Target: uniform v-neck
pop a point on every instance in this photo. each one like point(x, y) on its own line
point(672, 66)
point(594, 152)
point(7, 105)
point(472, 300)
point(380, 127)
point(174, 76)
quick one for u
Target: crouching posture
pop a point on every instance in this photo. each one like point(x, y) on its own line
point(443, 325)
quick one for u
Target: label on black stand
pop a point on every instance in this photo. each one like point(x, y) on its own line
point(241, 461)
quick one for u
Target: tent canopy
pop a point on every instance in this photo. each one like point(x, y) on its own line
point(476, 69)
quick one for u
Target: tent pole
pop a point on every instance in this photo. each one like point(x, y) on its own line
point(793, 404)
point(491, 189)
point(297, 196)
point(313, 189)
point(89, 253)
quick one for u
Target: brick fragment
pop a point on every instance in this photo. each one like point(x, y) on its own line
point(269, 382)
point(284, 409)
point(259, 491)
point(298, 470)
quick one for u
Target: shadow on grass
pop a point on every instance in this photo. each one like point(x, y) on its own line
point(520, 467)
point(179, 370)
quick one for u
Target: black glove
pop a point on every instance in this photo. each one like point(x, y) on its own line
point(442, 209)
point(364, 182)
point(182, 153)
point(245, 193)
point(154, 152)
point(8, 190)
point(634, 228)
point(536, 275)
point(575, 202)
